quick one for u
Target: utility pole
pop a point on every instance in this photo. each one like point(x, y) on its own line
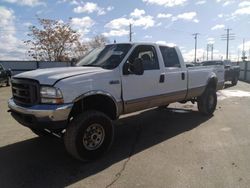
point(212, 51)
point(207, 51)
point(210, 47)
point(228, 36)
point(195, 46)
point(130, 32)
point(238, 55)
point(243, 51)
point(249, 54)
point(227, 42)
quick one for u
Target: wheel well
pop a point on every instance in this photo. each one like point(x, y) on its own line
point(212, 83)
point(97, 102)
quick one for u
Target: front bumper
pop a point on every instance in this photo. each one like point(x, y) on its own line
point(42, 116)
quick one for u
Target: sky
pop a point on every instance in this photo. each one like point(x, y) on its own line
point(171, 22)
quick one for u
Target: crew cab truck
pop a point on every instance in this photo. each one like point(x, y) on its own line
point(5, 76)
point(81, 102)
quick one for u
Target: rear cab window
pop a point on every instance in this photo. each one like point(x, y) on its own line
point(170, 57)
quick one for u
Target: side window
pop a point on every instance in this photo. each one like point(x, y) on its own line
point(147, 54)
point(170, 57)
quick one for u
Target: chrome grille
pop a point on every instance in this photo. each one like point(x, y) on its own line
point(25, 92)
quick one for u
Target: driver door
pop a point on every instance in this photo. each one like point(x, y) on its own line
point(141, 91)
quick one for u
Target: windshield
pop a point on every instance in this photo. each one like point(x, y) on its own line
point(108, 57)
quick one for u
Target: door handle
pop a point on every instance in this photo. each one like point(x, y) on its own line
point(183, 76)
point(162, 78)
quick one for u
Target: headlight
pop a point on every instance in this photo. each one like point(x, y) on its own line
point(51, 95)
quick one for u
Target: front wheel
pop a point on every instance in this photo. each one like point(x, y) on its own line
point(89, 135)
point(207, 102)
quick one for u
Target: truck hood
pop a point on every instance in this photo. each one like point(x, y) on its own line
point(51, 75)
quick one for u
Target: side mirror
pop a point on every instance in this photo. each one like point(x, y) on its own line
point(126, 70)
point(138, 68)
point(134, 68)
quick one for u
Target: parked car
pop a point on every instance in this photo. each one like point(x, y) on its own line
point(232, 72)
point(5, 76)
point(82, 102)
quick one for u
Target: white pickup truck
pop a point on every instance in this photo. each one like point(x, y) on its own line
point(80, 103)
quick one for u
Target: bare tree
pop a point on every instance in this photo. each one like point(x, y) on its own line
point(53, 41)
point(98, 40)
point(82, 48)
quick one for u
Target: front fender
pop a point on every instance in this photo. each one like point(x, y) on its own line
point(118, 104)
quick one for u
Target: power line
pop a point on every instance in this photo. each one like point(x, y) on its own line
point(228, 36)
point(195, 46)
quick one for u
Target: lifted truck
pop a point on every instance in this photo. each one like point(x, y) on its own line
point(81, 102)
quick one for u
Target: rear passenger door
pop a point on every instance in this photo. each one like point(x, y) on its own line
point(175, 74)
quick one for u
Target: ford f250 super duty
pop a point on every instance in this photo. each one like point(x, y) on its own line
point(80, 103)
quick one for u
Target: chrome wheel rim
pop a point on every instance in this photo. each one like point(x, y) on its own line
point(93, 137)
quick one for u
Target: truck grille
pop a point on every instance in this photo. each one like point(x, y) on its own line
point(25, 92)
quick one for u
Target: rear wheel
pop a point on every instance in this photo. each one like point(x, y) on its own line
point(89, 135)
point(235, 80)
point(207, 102)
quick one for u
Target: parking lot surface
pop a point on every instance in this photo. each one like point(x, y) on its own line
point(176, 147)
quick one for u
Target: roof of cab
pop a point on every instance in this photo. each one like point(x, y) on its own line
point(144, 43)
